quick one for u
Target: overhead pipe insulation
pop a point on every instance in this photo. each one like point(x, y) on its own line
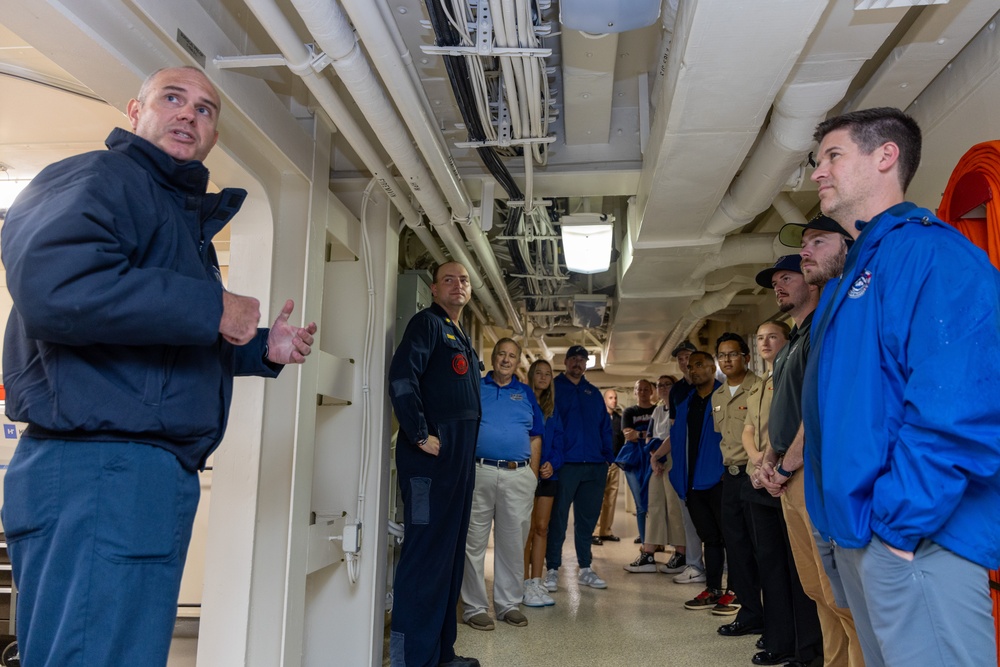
point(386, 48)
point(696, 313)
point(328, 24)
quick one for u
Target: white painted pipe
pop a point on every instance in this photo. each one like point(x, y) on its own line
point(696, 312)
point(385, 46)
point(737, 250)
point(333, 33)
point(299, 58)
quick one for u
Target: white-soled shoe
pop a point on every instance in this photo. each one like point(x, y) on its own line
point(551, 582)
point(690, 575)
point(533, 593)
point(589, 578)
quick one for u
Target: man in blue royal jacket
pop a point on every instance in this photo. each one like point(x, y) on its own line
point(120, 353)
point(587, 436)
point(902, 440)
point(697, 472)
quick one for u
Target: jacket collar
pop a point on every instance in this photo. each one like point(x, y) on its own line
point(190, 178)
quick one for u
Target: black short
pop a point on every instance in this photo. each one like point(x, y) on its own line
point(546, 488)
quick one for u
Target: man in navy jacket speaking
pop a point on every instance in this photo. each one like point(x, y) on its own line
point(120, 353)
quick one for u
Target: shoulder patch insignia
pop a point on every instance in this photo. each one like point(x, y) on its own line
point(860, 285)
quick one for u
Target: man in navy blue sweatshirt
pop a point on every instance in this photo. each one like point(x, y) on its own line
point(585, 470)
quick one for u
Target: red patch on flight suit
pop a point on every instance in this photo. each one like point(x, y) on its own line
point(460, 364)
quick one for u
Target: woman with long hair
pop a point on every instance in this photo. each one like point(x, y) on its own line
point(540, 380)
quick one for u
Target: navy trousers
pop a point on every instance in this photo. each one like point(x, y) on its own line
point(437, 499)
point(97, 533)
point(582, 486)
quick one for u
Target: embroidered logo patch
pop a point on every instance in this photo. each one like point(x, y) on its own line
point(517, 397)
point(460, 364)
point(860, 285)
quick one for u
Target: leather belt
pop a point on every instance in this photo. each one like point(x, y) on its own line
point(509, 465)
point(736, 470)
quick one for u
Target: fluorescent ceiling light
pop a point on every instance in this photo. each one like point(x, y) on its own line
point(9, 189)
point(587, 241)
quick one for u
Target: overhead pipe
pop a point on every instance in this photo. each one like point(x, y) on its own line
point(696, 313)
point(299, 61)
point(334, 34)
point(740, 249)
point(380, 34)
point(799, 107)
point(788, 211)
point(283, 34)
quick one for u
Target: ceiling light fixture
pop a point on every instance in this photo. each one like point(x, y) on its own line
point(10, 189)
point(587, 240)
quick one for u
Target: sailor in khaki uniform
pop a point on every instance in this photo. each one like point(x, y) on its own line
point(729, 412)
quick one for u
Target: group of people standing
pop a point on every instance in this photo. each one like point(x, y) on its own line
point(539, 449)
point(851, 488)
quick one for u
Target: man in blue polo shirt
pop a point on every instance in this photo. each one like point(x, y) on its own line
point(507, 456)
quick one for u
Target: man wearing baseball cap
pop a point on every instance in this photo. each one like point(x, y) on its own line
point(823, 246)
point(797, 298)
point(588, 453)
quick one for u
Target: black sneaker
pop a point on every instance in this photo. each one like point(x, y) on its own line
point(644, 563)
point(676, 564)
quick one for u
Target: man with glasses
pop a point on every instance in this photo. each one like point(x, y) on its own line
point(729, 409)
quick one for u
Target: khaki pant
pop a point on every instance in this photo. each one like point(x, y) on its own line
point(664, 518)
point(607, 520)
point(840, 640)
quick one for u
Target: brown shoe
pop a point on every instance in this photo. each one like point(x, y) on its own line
point(481, 621)
point(515, 618)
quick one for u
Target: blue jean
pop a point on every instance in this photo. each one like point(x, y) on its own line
point(933, 610)
point(582, 486)
point(640, 493)
point(97, 533)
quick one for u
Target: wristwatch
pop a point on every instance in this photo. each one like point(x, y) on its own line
point(784, 473)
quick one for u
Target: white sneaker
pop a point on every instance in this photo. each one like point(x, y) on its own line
point(533, 593)
point(546, 598)
point(589, 578)
point(690, 575)
point(551, 582)
point(538, 595)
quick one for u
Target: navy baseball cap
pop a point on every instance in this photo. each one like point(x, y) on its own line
point(791, 234)
point(685, 345)
point(577, 351)
point(785, 263)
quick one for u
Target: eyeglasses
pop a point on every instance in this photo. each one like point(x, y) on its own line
point(729, 355)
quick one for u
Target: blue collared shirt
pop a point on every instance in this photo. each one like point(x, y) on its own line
point(511, 417)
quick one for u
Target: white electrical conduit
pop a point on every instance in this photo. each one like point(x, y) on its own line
point(382, 43)
point(333, 39)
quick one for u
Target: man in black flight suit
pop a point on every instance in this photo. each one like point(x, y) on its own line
point(434, 388)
